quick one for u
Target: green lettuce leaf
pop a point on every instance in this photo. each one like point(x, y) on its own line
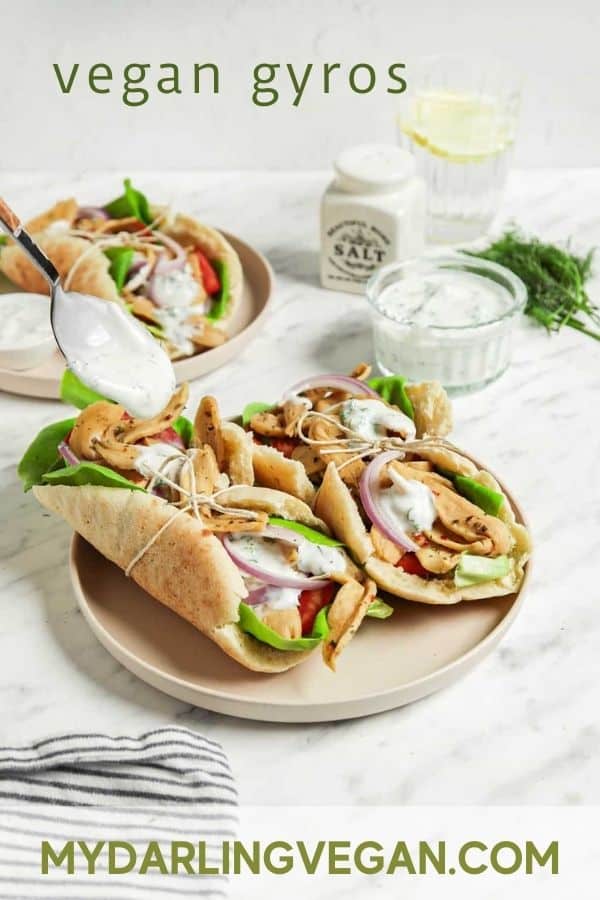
point(42, 455)
point(473, 569)
point(3, 240)
point(485, 498)
point(120, 264)
point(392, 389)
point(89, 473)
point(76, 393)
point(379, 609)
point(130, 203)
point(315, 537)
point(221, 300)
point(252, 409)
point(321, 624)
point(251, 624)
point(184, 429)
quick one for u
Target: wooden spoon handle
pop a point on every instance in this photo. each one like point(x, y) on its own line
point(8, 217)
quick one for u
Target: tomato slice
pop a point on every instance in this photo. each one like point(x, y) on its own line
point(410, 563)
point(312, 602)
point(285, 445)
point(170, 436)
point(210, 279)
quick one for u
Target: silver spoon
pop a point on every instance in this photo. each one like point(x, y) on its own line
point(108, 349)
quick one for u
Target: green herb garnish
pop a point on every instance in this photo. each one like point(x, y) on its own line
point(554, 278)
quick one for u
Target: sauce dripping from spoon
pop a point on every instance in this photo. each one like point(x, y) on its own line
point(105, 347)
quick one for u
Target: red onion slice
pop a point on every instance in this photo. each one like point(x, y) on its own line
point(256, 597)
point(138, 262)
point(279, 533)
point(369, 489)
point(67, 454)
point(168, 265)
point(336, 382)
point(301, 582)
point(92, 212)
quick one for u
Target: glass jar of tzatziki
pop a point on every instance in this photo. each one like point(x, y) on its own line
point(447, 317)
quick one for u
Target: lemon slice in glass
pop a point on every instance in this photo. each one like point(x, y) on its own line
point(461, 128)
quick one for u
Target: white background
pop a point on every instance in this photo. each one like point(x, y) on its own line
point(554, 44)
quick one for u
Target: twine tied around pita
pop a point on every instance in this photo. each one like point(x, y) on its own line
point(191, 500)
point(147, 243)
point(363, 447)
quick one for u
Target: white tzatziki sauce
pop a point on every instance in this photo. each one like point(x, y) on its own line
point(272, 556)
point(176, 328)
point(407, 504)
point(437, 321)
point(317, 559)
point(175, 288)
point(111, 352)
point(446, 298)
point(159, 457)
point(277, 598)
point(265, 554)
point(372, 419)
point(24, 320)
point(58, 226)
point(273, 597)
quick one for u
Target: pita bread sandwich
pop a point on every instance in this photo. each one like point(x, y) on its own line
point(415, 512)
point(336, 418)
point(181, 278)
point(173, 504)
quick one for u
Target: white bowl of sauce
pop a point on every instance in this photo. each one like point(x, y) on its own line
point(446, 317)
point(26, 338)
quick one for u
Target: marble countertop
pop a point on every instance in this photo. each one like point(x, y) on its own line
point(521, 728)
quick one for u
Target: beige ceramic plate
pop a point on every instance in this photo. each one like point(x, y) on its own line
point(420, 649)
point(247, 318)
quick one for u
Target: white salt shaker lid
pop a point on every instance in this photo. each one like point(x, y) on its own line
point(374, 167)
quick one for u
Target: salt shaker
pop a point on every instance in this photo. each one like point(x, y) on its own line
point(372, 213)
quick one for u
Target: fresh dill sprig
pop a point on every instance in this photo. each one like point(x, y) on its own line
point(554, 278)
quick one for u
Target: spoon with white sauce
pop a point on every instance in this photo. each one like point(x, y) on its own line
point(108, 349)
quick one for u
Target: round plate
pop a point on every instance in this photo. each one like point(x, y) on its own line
point(247, 318)
point(415, 652)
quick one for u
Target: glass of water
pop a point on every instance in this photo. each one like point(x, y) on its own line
point(459, 119)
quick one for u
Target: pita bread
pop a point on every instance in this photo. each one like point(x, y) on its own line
point(437, 591)
point(274, 503)
point(188, 231)
point(238, 448)
point(63, 211)
point(186, 567)
point(92, 275)
point(432, 408)
point(337, 507)
point(274, 470)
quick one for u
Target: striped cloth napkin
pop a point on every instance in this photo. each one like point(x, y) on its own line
point(115, 795)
